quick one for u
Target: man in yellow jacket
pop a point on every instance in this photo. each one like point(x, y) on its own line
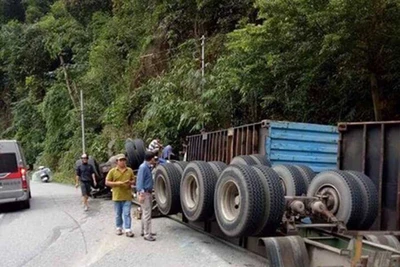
point(121, 179)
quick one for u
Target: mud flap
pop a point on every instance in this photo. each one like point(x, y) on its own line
point(285, 251)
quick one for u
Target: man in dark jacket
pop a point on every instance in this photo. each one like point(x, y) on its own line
point(84, 176)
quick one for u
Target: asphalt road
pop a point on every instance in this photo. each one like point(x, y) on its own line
point(57, 232)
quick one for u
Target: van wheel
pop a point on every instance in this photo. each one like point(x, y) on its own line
point(25, 204)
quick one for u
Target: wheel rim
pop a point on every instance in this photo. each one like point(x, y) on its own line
point(161, 189)
point(330, 197)
point(230, 201)
point(191, 192)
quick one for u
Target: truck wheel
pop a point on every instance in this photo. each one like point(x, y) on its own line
point(370, 199)
point(243, 160)
point(342, 195)
point(275, 200)
point(291, 179)
point(167, 186)
point(130, 153)
point(218, 167)
point(140, 150)
point(181, 165)
point(197, 191)
point(306, 172)
point(261, 160)
point(239, 201)
point(286, 251)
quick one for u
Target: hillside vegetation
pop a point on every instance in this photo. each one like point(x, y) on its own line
point(138, 63)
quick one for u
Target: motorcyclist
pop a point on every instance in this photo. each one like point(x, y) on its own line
point(44, 174)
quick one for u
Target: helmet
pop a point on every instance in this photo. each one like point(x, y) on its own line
point(41, 167)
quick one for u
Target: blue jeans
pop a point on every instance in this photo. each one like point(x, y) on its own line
point(123, 214)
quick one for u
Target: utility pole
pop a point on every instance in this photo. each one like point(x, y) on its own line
point(203, 45)
point(83, 125)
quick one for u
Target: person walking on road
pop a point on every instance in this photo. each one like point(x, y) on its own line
point(121, 179)
point(145, 189)
point(84, 177)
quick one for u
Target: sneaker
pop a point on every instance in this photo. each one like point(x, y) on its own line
point(119, 232)
point(86, 208)
point(149, 238)
point(152, 234)
point(129, 234)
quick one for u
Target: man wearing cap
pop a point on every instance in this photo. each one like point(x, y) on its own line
point(121, 179)
point(84, 176)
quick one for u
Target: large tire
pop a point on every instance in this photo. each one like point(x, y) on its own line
point(197, 191)
point(286, 251)
point(292, 181)
point(218, 167)
point(181, 165)
point(135, 151)
point(306, 172)
point(261, 160)
point(239, 201)
point(370, 199)
point(275, 200)
point(344, 195)
point(131, 154)
point(167, 188)
point(243, 160)
point(140, 150)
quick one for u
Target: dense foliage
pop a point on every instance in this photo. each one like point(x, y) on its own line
point(138, 64)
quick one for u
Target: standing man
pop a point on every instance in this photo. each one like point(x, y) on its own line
point(145, 189)
point(84, 176)
point(121, 179)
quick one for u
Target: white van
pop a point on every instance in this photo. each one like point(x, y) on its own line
point(14, 181)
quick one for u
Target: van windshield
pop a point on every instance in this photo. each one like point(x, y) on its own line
point(8, 163)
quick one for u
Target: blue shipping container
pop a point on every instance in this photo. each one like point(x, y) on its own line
point(313, 145)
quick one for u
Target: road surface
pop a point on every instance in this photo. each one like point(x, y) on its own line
point(57, 232)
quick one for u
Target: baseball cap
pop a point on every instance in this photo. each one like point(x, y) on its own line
point(121, 156)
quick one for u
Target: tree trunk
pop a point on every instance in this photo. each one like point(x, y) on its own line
point(376, 98)
point(71, 93)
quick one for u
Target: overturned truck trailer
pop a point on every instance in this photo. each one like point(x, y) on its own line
point(311, 232)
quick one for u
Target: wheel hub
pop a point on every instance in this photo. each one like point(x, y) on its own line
point(331, 198)
point(230, 201)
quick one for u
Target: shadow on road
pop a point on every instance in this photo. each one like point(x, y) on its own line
point(11, 207)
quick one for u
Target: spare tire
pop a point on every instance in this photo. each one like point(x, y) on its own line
point(140, 150)
point(197, 191)
point(370, 199)
point(180, 165)
point(292, 181)
point(167, 188)
point(275, 200)
point(239, 201)
point(135, 152)
point(130, 153)
point(218, 167)
point(343, 196)
point(306, 172)
point(243, 160)
point(261, 160)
